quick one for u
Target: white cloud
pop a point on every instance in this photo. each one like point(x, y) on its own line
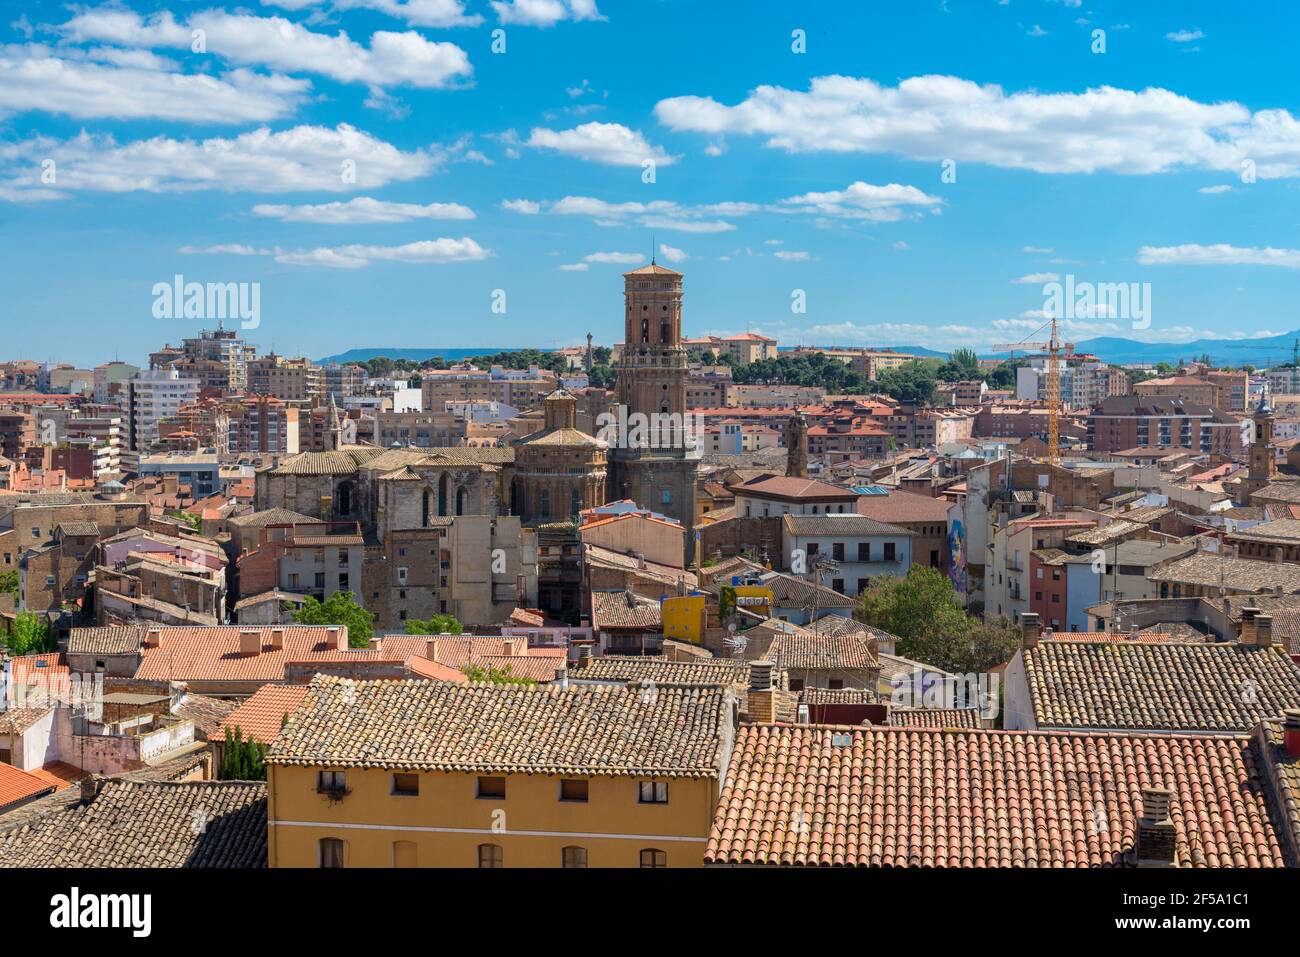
point(793, 256)
point(433, 251)
point(1219, 254)
point(624, 259)
point(544, 13)
point(300, 158)
point(393, 59)
point(1036, 31)
point(901, 246)
point(525, 206)
point(363, 209)
point(32, 78)
point(1184, 36)
point(420, 13)
point(932, 118)
point(229, 249)
point(575, 267)
point(672, 253)
point(1214, 190)
point(610, 143)
point(864, 201)
point(1037, 278)
point(1037, 249)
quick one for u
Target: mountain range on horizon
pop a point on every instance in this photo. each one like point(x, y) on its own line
point(1260, 352)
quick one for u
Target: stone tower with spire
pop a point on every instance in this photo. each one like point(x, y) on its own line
point(655, 465)
point(1262, 462)
point(796, 446)
point(333, 428)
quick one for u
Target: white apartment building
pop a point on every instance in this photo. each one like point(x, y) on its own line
point(151, 397)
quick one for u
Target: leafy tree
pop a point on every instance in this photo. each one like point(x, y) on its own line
point(340, 608)
point(1003, 375)
point(912, 382)
point(437, 625)
point(9, 582)
point(962, 364)
point(921, 610)
point(242, 759)
point(29, 635)
point(602, 376)
point(495, 676)
point(602, 355)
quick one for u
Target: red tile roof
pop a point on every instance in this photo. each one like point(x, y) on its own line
point(913, 797)
point(17, 786)
point(262, 713)
point(211, 653)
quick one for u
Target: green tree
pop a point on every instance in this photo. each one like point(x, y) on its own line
point(437, 625)
point(9, 582)
point(962, 364)
point(242, 759)
point(29, 635)
point(912, 382)
point(921, 610)
point(340, 608)
point(495, 676)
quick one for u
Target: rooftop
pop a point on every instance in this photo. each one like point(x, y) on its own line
point(437, 726)
point(914, 797)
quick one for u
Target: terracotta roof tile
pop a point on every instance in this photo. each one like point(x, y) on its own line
point(910, 797)
point(17, 786)
point(437, 726)
point(262, 713)
point(1158, 687)
point(148, 824)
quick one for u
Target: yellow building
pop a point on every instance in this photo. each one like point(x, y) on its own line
point(433, 774)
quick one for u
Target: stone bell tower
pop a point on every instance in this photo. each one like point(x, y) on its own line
point(655, 460)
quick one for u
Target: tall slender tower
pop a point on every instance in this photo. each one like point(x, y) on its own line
point(656, 462)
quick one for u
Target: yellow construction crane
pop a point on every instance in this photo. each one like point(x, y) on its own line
point(1054, 348)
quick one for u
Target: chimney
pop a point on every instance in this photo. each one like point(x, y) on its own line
point(514, 647)
point(584, 657)
point(1132, 634)
point(1247, 636)
point(1291, 731)
point(250, 642)
point(1029, 629)
point(1263, 630)
point(90, 786)
point(760, 675)
point(335, 639)
point(431, 650)
point(152, 637)
point(277, 639)
point(1156, 836)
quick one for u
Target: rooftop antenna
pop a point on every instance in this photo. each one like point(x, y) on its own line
point(652, 248)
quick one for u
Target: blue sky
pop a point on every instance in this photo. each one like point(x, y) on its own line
point(522, 170)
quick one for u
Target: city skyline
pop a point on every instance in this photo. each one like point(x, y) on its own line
point(907, 185)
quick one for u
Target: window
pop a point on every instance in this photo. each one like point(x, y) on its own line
point(573, 857)
point(812, 549)
point(796, 684)
point(864, 551)
point(889, 552)
point(331, 781)
point(835, 684)
point(331, 852)
point(650, 857)
point(573, 791)
point(837, 551)
point(667, 498)
point(406, 785)
point(653, 792)
point(863, 584)
point(837, 584)
point(404, 854)
point(491, 788)
point(489, 855)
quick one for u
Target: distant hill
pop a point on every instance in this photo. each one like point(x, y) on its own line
point(1270, 350)
point(909, 350)
point(361, 355)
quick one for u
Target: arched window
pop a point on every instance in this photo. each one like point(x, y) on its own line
point(462, 499)
point(665, 331)
point(442, 495)
point(645, 330)
point(653, 857)
point(331, 852)
point(489, 855)
point(545, 509)
point(343, 502)
point(573, 857)
point(424, 510)
point(404, 854)
point(575, 502)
